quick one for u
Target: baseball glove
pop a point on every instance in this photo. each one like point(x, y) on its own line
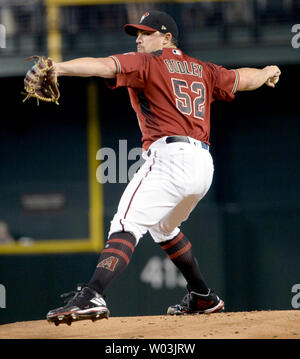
point(41, 80)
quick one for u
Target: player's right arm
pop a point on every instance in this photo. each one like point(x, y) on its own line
point(86, 67)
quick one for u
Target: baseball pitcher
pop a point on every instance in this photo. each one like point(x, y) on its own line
point(171, 94)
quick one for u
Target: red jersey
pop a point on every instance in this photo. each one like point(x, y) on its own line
point(171, 92)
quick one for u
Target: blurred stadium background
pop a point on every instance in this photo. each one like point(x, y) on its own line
point(54, 215)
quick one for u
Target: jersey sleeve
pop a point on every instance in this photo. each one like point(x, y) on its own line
point(225, 82)
point(131, 70)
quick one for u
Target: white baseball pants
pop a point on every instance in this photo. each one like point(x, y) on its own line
point(164, 191)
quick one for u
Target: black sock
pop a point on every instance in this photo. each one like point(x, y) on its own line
point(179, 250)
point(113, 260)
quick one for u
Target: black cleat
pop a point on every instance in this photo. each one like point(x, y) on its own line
point(195, 303)
point(85, 304)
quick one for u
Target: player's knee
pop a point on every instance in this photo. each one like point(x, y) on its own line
point(125, 226)
point(159, 236)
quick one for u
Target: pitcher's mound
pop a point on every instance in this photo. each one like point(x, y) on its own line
point(281, 324)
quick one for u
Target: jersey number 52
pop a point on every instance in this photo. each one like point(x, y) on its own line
point(184, 101)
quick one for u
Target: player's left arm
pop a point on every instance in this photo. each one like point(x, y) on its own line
point(252, 78)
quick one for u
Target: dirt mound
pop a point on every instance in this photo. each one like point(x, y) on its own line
point(236, 325)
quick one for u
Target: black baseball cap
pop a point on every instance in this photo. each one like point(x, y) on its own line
point(154, 20)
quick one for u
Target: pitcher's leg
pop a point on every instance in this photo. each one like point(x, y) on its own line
point(180, 252)
point(114, 258)
point(149, 197)
point(200, 298)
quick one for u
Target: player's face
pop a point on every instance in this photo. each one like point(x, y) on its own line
point(149, 41)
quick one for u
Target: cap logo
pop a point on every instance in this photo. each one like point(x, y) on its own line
point(143, 17)
point(163, 27)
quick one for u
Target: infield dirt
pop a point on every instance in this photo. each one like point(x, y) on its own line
point(281, 324)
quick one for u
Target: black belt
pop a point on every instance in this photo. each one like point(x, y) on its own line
point(172, 139)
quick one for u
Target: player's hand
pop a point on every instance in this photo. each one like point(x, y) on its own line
point(273, 73)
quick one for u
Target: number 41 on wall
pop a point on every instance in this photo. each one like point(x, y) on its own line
point(161, 273)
